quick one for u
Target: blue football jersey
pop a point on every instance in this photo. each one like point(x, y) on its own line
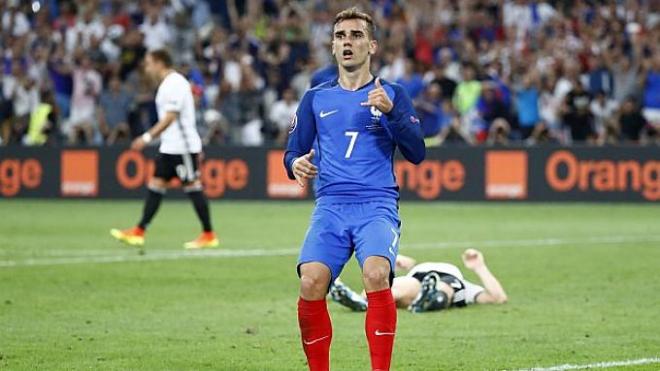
point(354, 144)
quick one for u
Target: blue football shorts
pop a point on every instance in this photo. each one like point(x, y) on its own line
point(338, 229)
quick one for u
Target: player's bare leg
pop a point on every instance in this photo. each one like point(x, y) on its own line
point(313, 316)
point(135, 236)
point(207, 238)
point(380, 324)
point(405, 290)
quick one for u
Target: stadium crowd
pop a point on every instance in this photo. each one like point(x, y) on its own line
point(479, 71)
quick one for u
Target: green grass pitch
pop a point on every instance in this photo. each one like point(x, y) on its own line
point(583, 282)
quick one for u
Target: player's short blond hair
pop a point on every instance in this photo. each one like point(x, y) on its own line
point(355, 13)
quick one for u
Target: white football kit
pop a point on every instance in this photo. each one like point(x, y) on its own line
point(175, 95)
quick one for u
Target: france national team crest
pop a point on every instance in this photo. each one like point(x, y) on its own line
point(376, 115)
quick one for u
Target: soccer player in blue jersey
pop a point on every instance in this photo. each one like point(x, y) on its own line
point(355, 123)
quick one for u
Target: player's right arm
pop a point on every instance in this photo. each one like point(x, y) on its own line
point(494, 294)
point(299, 152)
point(146, 138)
point(173, 98)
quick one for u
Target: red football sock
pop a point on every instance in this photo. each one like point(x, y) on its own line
point(316, 332)
point(380, 327)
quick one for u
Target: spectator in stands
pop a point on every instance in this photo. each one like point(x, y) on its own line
point(577, 116)
point(495, 113)
point(302, 80)
point(217, 128)
point(132, 52)
point(43, 122)
point(411, 80)
point(631, 122)
point(600, 76)
point(447, 85)
point(23, 91)
point(282, 113)
point(87, 28)
point(651, 85)
point(429, 109)
point(87, 86)
point(549, 107)
point(603, 110)
point(112, 112)
point(452, 129)
point(60, 74)
point(467, 91)
point(626, 75)
point(250, 105)
point(527, 105)
point(6, 112)
point(182, 37)
point(9, 82)
point(157, 33)
point(144, 112)
point(611, 46)
point(14, 21)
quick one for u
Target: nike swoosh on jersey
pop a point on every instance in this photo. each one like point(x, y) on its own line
point(379, 333)
point(326, 114)
point(315, 340)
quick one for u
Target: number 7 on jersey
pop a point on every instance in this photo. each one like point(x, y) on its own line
point(353, 135)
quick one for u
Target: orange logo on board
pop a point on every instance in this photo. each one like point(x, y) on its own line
point(278, 183)
point(80, 173)
point(506, 175)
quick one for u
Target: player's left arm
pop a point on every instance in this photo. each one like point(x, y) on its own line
point(155, 131)
point(402, 122)
point(494, 294)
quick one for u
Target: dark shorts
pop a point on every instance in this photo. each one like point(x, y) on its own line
point(185, 167)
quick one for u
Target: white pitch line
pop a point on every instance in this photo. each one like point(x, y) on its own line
point(535, 242)
point(52, 253)
point(150, 256)
point(157, 255)
point(631, 362)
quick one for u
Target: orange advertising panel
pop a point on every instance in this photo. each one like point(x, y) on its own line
point(449, 173)
point(79, 174)
point(429, 179)
point(278, 183)
point(506, 175)
point(566, 172)
point(17, 174)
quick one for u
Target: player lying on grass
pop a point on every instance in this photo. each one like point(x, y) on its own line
point(432, 286)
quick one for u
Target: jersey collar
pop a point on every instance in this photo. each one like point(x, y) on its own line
point(335, 82)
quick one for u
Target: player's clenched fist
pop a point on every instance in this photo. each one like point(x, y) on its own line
point(378, 98)
point(304, 169)
point(473, 259)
